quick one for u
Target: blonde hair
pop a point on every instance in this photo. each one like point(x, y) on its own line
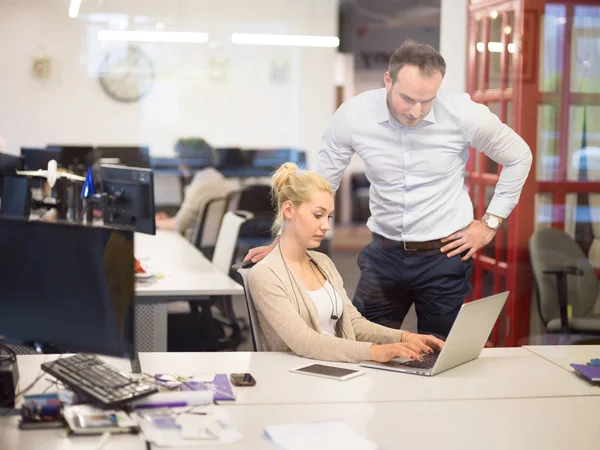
point(295, 185)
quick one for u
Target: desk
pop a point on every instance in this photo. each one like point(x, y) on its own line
point(552, 423)
point(498, 373)
point(545, 423)
point(187, 272)
point(564, 355)
point(188, 275)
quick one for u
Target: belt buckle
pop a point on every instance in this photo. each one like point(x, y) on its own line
point(408, 249)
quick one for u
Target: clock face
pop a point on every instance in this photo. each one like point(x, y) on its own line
point(126, 74)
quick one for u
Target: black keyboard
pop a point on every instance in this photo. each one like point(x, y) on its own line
point(428, 362)
point(102, 383)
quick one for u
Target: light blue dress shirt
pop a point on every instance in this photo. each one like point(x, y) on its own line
point(417, 173)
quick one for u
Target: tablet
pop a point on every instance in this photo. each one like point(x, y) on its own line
point(336, 373)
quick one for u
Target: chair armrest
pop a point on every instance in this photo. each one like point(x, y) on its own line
point(243, 265)
point(570, 270)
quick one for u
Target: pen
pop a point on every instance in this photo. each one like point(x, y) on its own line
point(162, 405)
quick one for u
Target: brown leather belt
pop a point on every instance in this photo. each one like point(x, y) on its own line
point(426, 246)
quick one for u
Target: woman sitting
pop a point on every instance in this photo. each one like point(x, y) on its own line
point(299, 295)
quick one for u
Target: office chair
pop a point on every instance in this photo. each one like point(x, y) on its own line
point(206, 230)
point(243, 269)
point(223, 257)
point(563, 276)
point(255, 198)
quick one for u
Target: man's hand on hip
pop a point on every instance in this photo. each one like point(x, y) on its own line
point(475, 236)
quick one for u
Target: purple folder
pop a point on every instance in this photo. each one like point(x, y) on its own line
point(220, 386)
point(590, 372)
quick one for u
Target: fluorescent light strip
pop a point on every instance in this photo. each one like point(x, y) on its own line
point(74, 8)
point(285, 39)
point(495, 47)
point(153, 36)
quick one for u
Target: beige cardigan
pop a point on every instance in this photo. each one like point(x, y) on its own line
point(290, 322)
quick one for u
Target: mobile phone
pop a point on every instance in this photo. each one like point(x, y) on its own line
point(336, 373)
point(242, 379)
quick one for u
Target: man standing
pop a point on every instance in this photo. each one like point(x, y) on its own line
point(414, 141)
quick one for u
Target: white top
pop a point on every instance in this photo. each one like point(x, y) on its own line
point(327, 302)
point(417, 173)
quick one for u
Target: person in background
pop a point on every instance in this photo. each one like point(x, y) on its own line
point(299, 295)
point(206, 185)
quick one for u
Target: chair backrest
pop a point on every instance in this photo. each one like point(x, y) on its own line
point(554, 248)
point(244, 272)
point(255, 198)
point(208, 224)
point(227, 240)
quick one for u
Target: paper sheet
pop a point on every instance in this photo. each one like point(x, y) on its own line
point(318, 435)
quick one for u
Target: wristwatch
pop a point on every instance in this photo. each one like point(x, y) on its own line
point(491, 221)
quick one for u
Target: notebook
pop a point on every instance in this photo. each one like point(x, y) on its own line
point(592, 373)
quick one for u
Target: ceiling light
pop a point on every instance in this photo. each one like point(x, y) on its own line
point(285, 40)
point(74, 8)
point(153, 36)
point(495, 47)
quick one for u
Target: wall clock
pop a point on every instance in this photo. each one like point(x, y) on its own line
point(126, 74)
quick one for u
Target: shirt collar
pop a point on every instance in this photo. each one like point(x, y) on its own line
point(382, 112)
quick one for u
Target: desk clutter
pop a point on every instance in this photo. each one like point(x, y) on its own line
point(169, 410)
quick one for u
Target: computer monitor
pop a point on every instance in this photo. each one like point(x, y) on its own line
point(16, 196)
point(130, 197)
point(9, 164)
point(127, 156)
point(232, 157)
point(38, 158)
point(272, 159)
point(68, 287)
point(76, 158)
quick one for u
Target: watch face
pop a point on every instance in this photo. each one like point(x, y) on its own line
point(126, 74)
point(493, 222)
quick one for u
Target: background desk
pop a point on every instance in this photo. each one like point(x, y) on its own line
point(498, 373)
point(564, 355)
point(187, 275)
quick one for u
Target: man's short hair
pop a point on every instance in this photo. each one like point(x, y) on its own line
point(424, 56)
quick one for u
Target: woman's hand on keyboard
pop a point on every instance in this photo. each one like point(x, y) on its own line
point(387, 352)
point(426, 342)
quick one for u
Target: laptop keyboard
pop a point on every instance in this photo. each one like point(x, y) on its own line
point(427, 363)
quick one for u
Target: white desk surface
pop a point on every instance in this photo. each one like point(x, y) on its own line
point(564, 355)
point(186, 272)
point(534, 423)
point(498, 373)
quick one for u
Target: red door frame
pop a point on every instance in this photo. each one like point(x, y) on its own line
point(514, 267)
point(526, 97)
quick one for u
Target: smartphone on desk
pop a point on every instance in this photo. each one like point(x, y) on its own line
point(242, 379)
point(321, 370)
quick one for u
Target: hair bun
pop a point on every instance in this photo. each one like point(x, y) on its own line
point(282, 176)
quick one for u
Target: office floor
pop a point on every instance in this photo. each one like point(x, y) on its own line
point(345, 261)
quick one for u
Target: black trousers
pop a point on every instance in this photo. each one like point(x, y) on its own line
point(392, 279)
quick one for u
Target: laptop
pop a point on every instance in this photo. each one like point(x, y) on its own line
point(467, 338)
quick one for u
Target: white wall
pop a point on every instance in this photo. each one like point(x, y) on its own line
point(246, 109)
point(453, 43)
